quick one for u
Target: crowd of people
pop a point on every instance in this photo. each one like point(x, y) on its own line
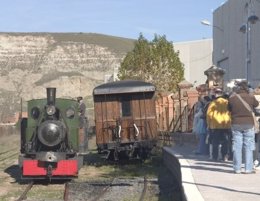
point(227, 127)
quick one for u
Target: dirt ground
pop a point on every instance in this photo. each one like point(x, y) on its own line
point(11, 185)
point(9, 171)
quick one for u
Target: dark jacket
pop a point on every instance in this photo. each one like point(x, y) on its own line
point(239, 113)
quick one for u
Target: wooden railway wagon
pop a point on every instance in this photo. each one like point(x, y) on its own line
point(125, 118)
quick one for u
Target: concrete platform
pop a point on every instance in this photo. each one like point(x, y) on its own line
point(207, 180)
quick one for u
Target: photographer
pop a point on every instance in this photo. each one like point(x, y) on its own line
point(83, 139)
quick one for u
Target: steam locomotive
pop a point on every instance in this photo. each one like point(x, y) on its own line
point(125, 119)
point(50, 139)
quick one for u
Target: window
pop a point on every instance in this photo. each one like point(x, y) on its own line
point(125, 107)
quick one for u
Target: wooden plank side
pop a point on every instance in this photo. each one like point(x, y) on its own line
point(101, 117)
point(116, 108)
point(105, 132)
point(109, 108)
point(107, 113)
point(151, 116)
point(98, 108)
point(98, 119)
point(145, 115)
point(99, 133)
point(137, 116)
point(112, 116)
point(125, 130)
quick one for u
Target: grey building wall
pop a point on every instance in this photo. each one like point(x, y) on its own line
point(236, 52)
point(196, 57)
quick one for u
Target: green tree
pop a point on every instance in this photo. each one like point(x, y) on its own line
point(153, 61)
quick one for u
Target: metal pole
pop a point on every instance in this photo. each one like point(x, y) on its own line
point(247, 44)
point(247, 50)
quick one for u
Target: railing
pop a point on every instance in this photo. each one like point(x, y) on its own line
point(174, 114)
point(181, 123)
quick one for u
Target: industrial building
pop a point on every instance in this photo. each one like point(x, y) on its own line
point(236, 41)
point(196, 57)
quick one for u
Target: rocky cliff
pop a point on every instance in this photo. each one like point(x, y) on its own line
point(74, 63)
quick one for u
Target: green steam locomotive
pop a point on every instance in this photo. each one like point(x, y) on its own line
point(50, 138)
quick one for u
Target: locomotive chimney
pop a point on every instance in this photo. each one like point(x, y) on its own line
point(51, 96)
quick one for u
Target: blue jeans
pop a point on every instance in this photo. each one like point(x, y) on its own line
point(243, 140)
point(202, 147)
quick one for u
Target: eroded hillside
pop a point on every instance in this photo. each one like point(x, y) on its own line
point(74, 63)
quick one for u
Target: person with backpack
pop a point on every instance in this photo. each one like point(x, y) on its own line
point(219, 122)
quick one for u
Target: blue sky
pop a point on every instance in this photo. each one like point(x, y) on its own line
point(178, 20)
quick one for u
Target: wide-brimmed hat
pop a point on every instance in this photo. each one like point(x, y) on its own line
point(79, 98)
point(243, 85)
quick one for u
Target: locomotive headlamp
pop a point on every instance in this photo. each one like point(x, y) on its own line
point(70, 113)
point(50, 109)
point(35, 112)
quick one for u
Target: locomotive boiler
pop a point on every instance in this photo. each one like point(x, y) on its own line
point(125, 119)
point(50, 138)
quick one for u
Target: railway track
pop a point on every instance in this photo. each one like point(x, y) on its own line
point(28, 188)
point(66, 192)
point(144, 189)
point(104, 190)
point(117, 189)
point(92, 190)
point(120, 185)
point(23, 195)
point(99, 190)
point(5, 152)
point(8, 156)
